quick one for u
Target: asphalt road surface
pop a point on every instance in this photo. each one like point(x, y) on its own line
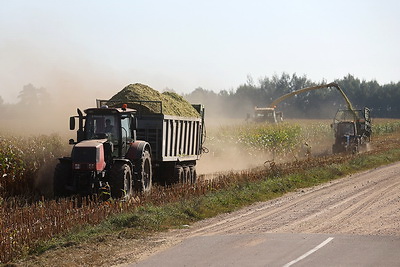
point(281, 250)
point(353, 221)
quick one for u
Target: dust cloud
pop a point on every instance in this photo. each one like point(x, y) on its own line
point(43, 182)
point(223, 157)
point(232, 159)
point(228, 156)
point(65, 72)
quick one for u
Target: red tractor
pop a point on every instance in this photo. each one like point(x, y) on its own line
point(106, 155)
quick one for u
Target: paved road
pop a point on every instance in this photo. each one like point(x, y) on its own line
point(353, 221)
point(280, 250)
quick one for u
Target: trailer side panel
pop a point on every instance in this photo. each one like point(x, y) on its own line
point(172, 138)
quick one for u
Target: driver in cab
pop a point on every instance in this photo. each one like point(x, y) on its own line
point(109, 127)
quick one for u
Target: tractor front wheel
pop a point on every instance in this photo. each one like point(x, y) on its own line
point(62, 173)
point(121, 180)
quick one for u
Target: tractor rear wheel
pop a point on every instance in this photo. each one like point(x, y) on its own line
point(144, 173)
point(121, 180)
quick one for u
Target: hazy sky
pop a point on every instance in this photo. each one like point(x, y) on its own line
point(96, 46)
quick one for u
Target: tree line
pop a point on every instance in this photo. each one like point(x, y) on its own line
point(237, 103)
point(322, 103)
point(34, 112)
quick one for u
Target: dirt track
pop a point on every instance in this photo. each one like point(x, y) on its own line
point(367, 203)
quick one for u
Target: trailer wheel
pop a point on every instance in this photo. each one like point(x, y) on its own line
point(193, 174)
point(187, 177)
point(178, 174)
point(61, 174)
point(143, 180)
point(121, 180)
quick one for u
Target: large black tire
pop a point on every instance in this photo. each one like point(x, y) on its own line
point(178, 174)
point(121, 180)
point(337, 148)
point(144, 173)
point(62, 173)
point(187, 177)
point(356, 146)
point(355, 149)
point(193, 174)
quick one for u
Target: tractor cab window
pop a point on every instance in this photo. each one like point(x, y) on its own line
point(126, 132)
point(126, 127)
point(102, 127)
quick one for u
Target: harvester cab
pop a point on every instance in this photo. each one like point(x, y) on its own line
point(269, 115)
point(352, 130)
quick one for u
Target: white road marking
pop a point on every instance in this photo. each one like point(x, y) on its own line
point(309, 252)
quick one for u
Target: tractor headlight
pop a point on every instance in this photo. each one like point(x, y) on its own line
point(84, 166)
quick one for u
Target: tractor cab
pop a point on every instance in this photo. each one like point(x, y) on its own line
point(116, 125)
point(102, 126)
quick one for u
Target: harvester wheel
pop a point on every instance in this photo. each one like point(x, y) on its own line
point(356, 146)
point(143, 181)
point(61, 174)
point(337, 148)
point(121, 180)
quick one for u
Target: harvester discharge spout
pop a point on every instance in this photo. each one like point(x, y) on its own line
point(329, 85)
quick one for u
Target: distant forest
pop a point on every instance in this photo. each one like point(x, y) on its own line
point(383, 100)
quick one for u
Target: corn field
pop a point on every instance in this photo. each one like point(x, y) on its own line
point(26, 220)
point(277, 139)
point(21, 158)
